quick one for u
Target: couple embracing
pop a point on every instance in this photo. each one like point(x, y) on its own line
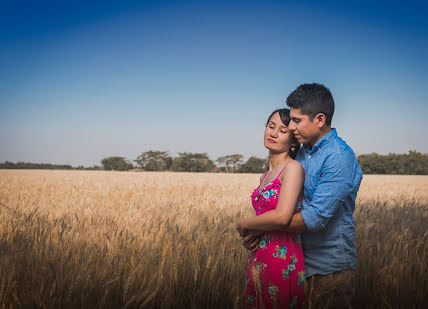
point(302, 237)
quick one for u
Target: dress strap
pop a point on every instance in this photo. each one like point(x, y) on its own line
point(264, 176)
point(280, 172)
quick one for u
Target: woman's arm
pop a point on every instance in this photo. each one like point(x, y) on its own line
point(280, 217)
point(243, 232)
point(296, 224)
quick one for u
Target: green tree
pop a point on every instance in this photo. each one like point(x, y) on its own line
point(231, 163)
point(29, 165)
point(192, 162)
point(116, 164)
point(154, 160)
point(94, 168)
point(413, 163)
point(254, 165)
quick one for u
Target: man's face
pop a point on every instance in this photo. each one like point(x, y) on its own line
point(305, 130)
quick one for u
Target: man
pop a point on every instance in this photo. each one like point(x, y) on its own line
point(332, 180)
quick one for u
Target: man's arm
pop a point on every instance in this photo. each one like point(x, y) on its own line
point(252, 238)
point(332, 188)
point(334, 185)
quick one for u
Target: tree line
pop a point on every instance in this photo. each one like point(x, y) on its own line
point(187, 162)
point(412, 163)
point(44, 166)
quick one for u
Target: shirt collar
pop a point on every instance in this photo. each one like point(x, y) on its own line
point(324, 140)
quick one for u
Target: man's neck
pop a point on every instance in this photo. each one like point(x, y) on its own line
point(323, 132)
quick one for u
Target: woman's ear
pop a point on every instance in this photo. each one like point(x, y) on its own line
point(294, 144)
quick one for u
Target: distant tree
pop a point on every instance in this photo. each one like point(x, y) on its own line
point(413, 163)
point(154, 160)
point(116, 163)
point(28, 165)
point(8, 165)
point(231, 163)
point(372, 164)
point(417, 163)
point(95, 167)
point(192, 162)
point(254, 165)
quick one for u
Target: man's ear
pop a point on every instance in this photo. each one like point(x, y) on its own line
point(320, 118)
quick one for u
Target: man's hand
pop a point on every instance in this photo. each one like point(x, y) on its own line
point(251, 240)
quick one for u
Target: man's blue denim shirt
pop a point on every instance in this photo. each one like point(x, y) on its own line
point(332, 180)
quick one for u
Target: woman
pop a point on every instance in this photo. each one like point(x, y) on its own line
point(275, 274)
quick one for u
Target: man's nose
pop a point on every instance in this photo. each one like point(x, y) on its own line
point(291, 126)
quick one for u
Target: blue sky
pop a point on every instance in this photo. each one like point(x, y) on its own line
point(80, 82)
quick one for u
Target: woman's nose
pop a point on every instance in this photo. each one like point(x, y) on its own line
point(273, 133)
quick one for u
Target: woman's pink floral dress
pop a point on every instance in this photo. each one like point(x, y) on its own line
point(277, 263)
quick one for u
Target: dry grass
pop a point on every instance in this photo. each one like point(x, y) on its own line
point(109, 239)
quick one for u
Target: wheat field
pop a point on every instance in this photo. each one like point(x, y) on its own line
point(96, 239)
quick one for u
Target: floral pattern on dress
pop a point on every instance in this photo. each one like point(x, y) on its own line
point(299, 205)
point(290, 267)
point(278, 260)
point(301, 277)
point(281, 252)
point(260, 266)
point(254, 257)
point(273, 291)
point(249, 299)
point(264, 241)
point(269, 193)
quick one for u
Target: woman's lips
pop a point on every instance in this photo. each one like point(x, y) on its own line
point(271, 140)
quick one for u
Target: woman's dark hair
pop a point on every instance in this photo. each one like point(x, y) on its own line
point(284, 114)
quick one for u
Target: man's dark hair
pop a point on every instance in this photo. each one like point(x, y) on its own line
point(312, 99)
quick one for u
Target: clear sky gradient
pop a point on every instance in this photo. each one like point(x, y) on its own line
point(81, 81)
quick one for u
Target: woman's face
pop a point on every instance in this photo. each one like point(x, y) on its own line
point(278, 138)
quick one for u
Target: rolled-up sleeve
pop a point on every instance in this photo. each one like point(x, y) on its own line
point(334, 184)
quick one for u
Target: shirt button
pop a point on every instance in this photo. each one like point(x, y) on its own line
point(309, 156)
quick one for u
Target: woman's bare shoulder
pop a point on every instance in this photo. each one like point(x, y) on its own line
point(293, 169)
point(294, 164)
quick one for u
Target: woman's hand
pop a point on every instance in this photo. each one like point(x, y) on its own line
point(241, 230)
point(251, 241)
